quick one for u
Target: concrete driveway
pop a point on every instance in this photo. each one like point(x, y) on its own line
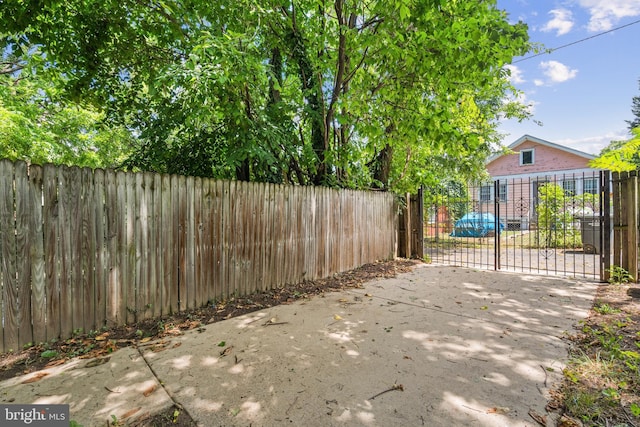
point(450, 346)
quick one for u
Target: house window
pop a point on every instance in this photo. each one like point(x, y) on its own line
point(526, 157)
point(590, 185)
point(502, 189)
point(569, 187)
point(485, 193)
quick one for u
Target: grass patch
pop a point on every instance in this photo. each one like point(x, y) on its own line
point(602, 379)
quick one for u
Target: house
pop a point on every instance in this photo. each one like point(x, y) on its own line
point(532, 163)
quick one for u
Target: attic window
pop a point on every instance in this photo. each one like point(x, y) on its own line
point(526, 157)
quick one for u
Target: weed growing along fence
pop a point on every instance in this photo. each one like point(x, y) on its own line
point(82, 248)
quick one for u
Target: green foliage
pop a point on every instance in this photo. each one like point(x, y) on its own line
point(357, 94)
point(37, 126)
point(556, 223)
point(618, 275)
point(635, 109)
point(620, 156)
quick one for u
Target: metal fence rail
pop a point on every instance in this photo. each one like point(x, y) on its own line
point(551, 224)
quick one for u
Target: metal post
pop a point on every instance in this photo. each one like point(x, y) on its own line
point(496, 206)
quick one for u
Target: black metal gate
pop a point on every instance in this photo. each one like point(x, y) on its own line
point(545, 224)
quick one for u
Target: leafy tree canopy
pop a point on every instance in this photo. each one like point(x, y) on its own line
point(355, 94)
point(37, 125)
point(635, 109)
point(620, 156)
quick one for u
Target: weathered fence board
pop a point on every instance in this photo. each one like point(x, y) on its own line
point(626, 209)
point(82, 249)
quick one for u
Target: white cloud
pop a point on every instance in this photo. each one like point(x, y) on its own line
point(605, 14)
point(557, 72)
point(538, 82)
point(594, 144)
point(562, 21)
point(515, 76)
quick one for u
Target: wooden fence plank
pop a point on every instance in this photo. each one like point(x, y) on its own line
point(65, 206)
point(23, 254)
point(121, 257)
point(129, 279)
point(177, 229)
point(255, 236)
point(100, 248)
point(157, 265)
point(239, 239)
point(75, 295)
point(208, 267)
point(227, 247)
point(36, 236)
point(148, 300)
point(617, 220)
point(267, 237)
point(9, 263)
point(111, 260)
point(310, 233)
point(198, 239)
point(218, 243)
point(182, 256)
point(189, 243)
point(52, 251)
point(88, 249)
point(168, 247)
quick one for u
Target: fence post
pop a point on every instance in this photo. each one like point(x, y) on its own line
point(605, 221)
point(417, 241)
point(496, 210)
point(625, 226)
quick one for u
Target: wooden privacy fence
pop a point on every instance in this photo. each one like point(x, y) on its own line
point(625, 221)
point(82, 248)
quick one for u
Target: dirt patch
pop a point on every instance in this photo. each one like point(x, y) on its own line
point(107, 341)
point(601, 383)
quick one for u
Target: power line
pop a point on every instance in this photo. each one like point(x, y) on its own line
point(577, 41)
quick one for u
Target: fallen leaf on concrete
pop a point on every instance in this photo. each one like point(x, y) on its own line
point(226, 351)
point(539, 418)
point(337, 317)
point(97, 362)
point(130, 412)
point(36, 377)
point(566, 421)
point(497, 410)
point(148, 391)
point(102, 337)
point(368, 295)
point(484, 307)
point(55, 363)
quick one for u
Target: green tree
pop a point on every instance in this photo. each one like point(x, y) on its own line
point(635, 109)
point(353, 94)
point(620, 156)
point(556, 224)
point(39, 127)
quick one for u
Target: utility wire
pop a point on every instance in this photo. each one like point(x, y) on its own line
point(577, 41)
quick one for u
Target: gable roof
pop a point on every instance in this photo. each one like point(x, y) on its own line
point(525, 138)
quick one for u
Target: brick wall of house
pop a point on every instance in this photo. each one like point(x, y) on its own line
point(546, 159)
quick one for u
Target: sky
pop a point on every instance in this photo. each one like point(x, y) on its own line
point(580, 95)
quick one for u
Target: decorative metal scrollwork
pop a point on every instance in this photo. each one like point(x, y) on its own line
point(521, 207)
point(547, 252)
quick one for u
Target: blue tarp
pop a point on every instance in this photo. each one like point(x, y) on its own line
point(476, 224)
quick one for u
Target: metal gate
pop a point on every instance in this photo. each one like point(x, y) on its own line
point(547, 224)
